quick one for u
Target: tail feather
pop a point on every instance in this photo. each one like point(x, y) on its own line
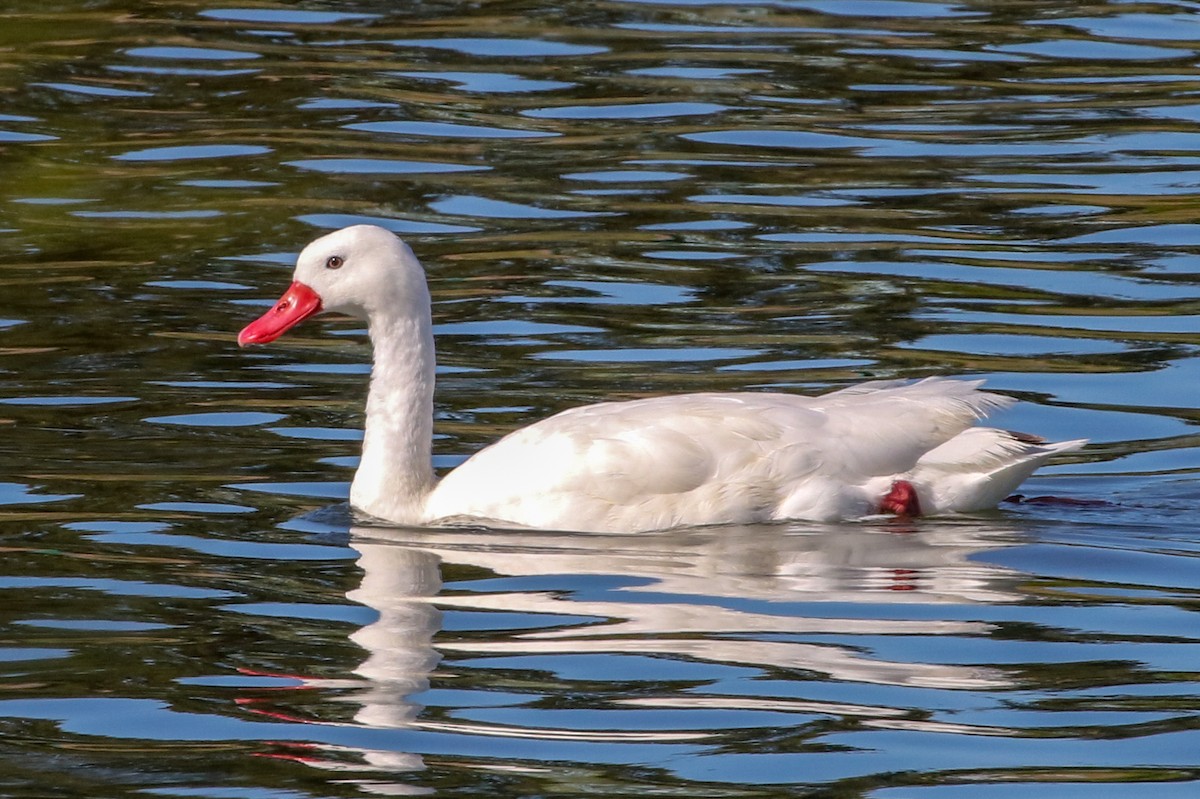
point(981, 466)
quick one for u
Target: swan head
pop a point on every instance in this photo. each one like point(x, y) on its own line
point(361, 270)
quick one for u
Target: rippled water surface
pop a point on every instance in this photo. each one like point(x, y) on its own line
point(612, 199)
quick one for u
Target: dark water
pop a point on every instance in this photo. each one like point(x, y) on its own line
point(612, 199)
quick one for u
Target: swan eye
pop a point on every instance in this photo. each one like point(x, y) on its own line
point(334, 262)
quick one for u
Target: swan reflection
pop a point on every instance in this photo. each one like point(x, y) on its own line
point(715, 595)
point(769, 598)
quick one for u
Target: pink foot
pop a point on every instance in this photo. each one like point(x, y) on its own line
point(901, 500)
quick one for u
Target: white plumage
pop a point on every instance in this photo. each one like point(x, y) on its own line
point(683, 460)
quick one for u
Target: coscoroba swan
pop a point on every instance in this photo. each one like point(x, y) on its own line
point(684, 460)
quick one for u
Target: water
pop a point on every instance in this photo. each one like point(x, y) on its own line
point(612, 200)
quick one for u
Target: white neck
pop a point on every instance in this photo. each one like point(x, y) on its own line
point(396, 476)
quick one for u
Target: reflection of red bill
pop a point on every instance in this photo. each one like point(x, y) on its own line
point(297, 304)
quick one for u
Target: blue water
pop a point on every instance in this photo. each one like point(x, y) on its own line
point(612, 200)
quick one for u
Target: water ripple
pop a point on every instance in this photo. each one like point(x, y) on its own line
point(611, 201)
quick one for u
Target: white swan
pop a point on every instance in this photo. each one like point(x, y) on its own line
point(675, 461)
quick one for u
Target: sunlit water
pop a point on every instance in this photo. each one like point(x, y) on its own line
point(612, 200)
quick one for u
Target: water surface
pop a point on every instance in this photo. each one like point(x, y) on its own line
point(612, 200)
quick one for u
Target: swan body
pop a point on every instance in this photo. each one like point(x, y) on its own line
point(647, 464)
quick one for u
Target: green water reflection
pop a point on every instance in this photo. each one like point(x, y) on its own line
point(612, 200)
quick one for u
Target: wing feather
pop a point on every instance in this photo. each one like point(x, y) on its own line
point(705, 458)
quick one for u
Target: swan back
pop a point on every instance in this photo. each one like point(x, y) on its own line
point(717, 458)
